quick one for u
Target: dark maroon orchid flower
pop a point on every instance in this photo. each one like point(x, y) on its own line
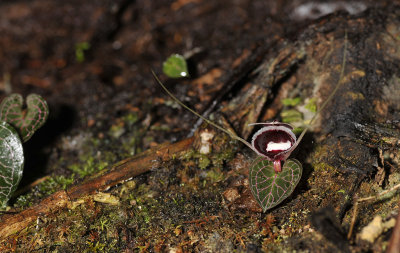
point(275, 141)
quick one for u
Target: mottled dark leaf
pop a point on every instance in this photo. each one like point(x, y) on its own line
point(11, 161)
point(26, 122)
point(270, 188)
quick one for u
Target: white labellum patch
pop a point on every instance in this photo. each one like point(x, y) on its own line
point(274, 141)
point(272, 146)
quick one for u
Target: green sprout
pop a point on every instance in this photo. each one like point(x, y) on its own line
point(291, 101)
point(80, 49)
point(312, 105)
point(290, 116)
point(175, 66)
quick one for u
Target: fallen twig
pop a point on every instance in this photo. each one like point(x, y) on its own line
point(394, 243)
point(355, 210)
point(122, 171)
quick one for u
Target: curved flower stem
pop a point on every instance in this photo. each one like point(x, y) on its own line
point(232, 135)
point(236, 137)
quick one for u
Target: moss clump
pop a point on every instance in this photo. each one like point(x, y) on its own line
point(203, 161)
point(88, 167)
point(215, 158)
point(126, 136)
point(312, 105)
point(322, 167)
point(95, 154)
point(49, 186)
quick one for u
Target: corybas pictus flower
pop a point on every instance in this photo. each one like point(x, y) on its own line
point(275, 141)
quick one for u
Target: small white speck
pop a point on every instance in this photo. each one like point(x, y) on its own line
point(116, 45)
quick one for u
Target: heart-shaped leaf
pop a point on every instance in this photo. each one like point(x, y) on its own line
point(26, 122)
point(11, 161)
point(270, 188)
point(175, 66)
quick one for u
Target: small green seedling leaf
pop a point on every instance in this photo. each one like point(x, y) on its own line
point(175, 66)
point(312, 105)
point(270, 188)
point(11, 162)
point(26, 122)
point(290, 116)
point(291, 101)
point(80, 49)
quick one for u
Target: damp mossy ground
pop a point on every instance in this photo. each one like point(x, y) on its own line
point(177, 206)
point(96, 154)
point(156, 212)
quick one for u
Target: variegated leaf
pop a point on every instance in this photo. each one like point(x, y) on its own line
point(25, 122)
point(11, 161)
point(270, 188)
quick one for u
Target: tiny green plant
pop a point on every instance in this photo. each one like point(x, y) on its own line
point(175, 66)
point(17, 125)
point(80, 49)
point(270, 182)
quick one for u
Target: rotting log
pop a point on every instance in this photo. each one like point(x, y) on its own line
point(120, 172)
point(357, 126)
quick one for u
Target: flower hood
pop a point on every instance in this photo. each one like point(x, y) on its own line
point(275, 141)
